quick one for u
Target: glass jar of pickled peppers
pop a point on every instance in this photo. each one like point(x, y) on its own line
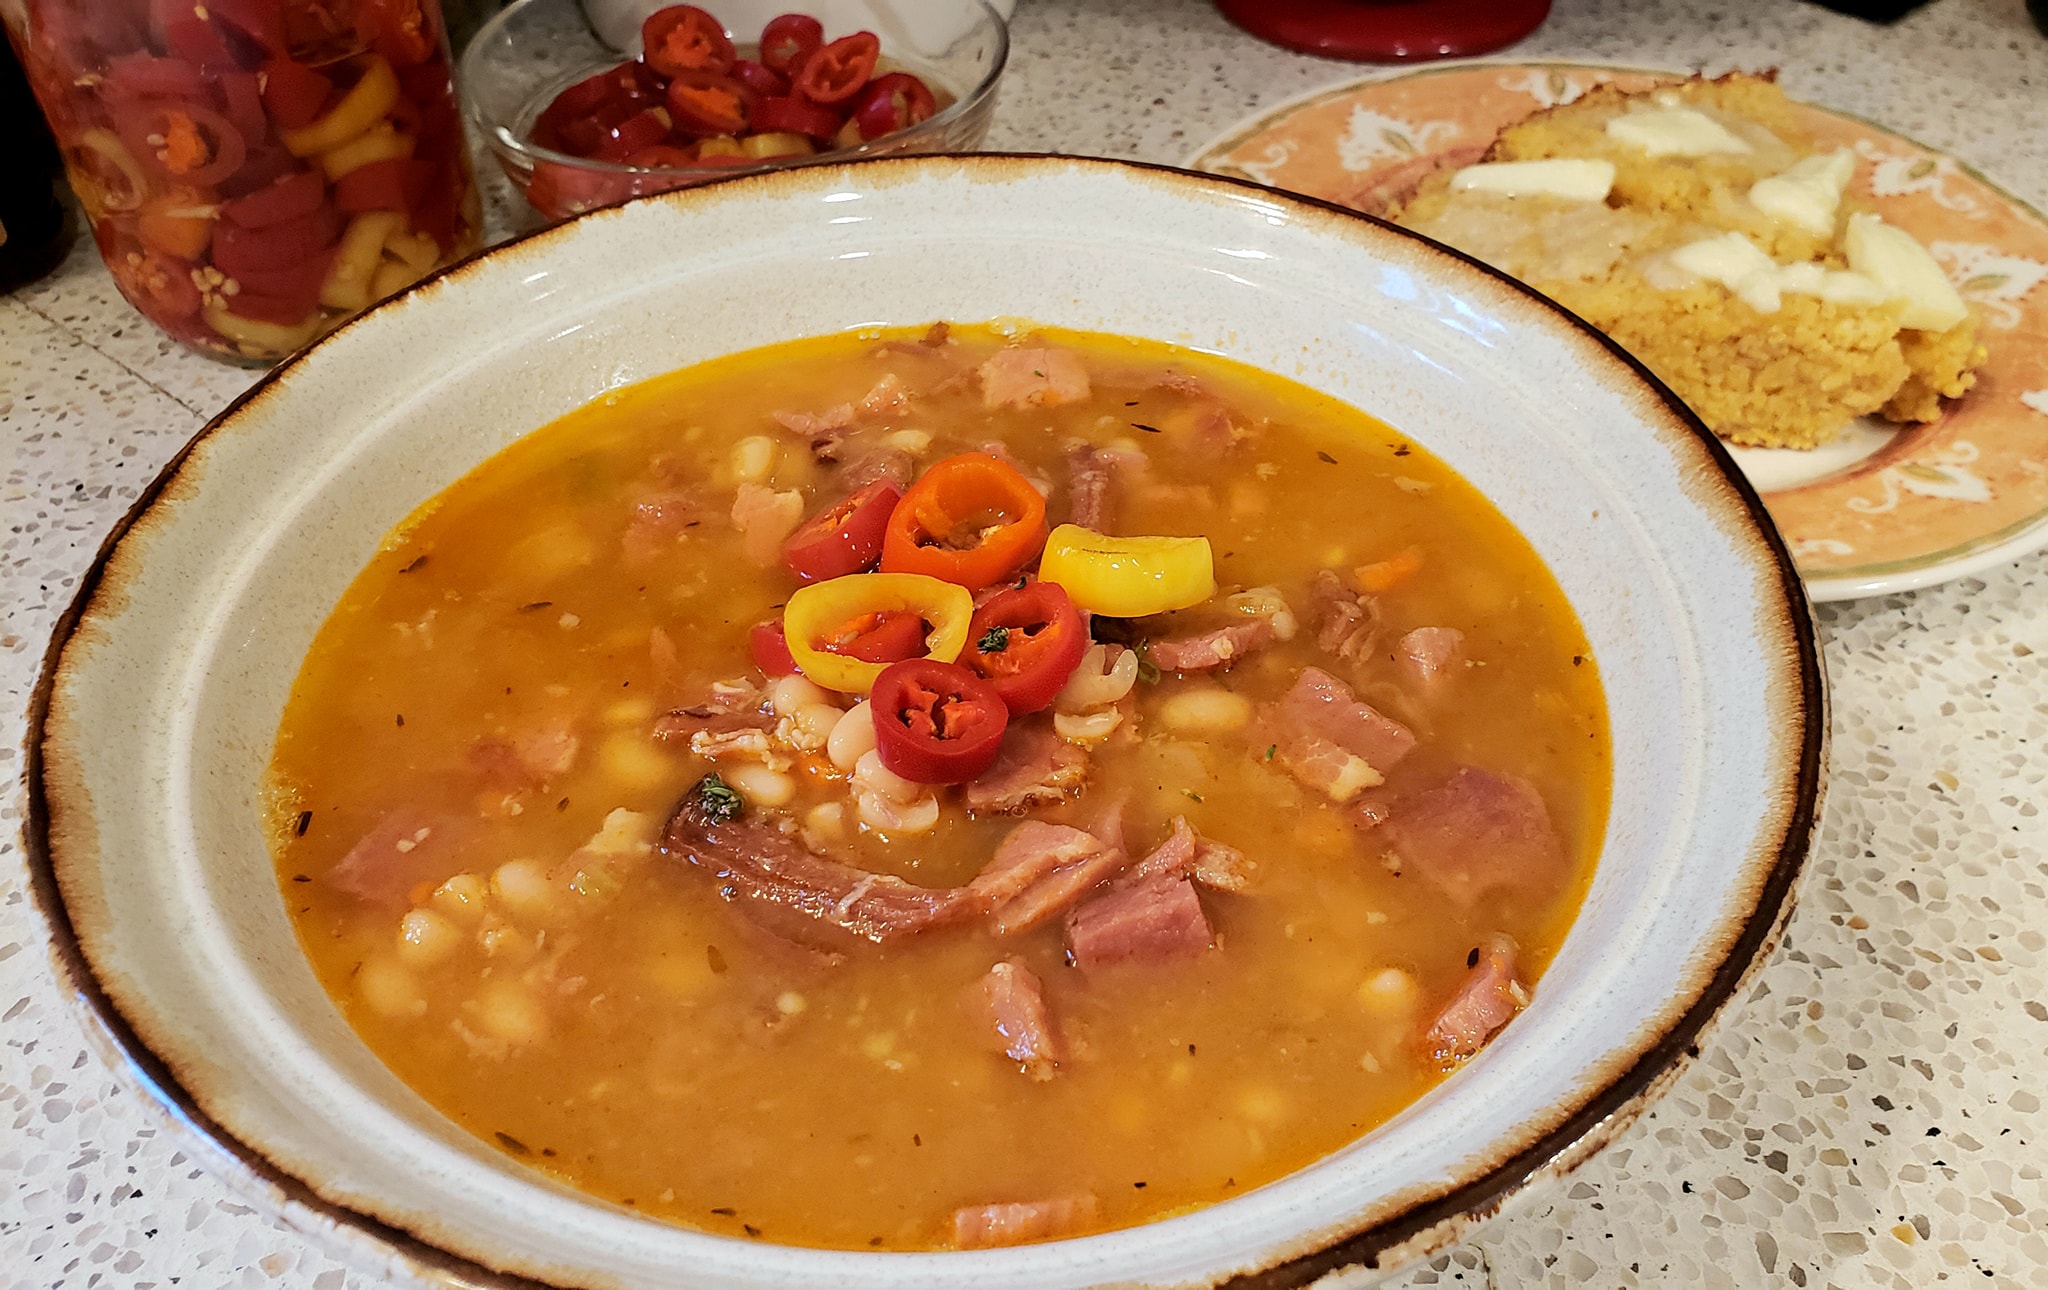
point(255, 171)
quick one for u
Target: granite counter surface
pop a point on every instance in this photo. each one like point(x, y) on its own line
point(1870, 1113)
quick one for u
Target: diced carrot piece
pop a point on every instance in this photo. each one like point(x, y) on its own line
point(1389, 573)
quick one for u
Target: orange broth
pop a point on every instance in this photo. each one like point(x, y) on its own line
point(617, 1025)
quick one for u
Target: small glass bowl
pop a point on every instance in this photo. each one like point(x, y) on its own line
point(533, 50)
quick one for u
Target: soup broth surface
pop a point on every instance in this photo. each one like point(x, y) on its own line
point(490, 730)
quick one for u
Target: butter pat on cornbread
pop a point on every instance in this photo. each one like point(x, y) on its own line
point(1698, 227)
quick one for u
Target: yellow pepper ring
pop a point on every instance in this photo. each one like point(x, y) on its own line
point(362, 107)
point(382, 143)
point(815, 612)
point(1128, 577)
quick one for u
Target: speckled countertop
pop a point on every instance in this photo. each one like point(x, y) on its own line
point(1870, 1114)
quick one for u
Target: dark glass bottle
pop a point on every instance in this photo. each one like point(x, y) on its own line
point(2039, 9)
point(35, 230)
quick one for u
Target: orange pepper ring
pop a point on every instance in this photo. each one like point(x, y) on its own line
point(948, 493)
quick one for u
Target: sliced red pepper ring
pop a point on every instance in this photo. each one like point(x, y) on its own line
point(970, 520)
point(835, 73)
point(936, 723)
point(796, 116)
point(1026, 642)
point(770, 650)
point(760, 78)
point(293, 93)
point(893, 102)
point(683, 38)
point(888, 637)
point(292, 197)
point(394, 184)
point(238, 250)
point(845, 537)
point(788, 40)
point(643, 129)
point(705, 103)
point(822, 619)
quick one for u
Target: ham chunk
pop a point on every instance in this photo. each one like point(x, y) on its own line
point(1477, 832)
point(1346, 624)
point(1154, 920)
point(1035, 767)
point(1262, 617)
point(866, 464)
point(1039, 870)
point(764, 518)
point(1330, 741)
point(1174, 857)
point(400, 851)
point(531, 759)
point(817, 427)
point(756, 863)
point(1488, 1000)
point(1090, 479)
point(1426, 657)
point(1208, 650)
point(1033, 378)
point(1012, 1000)
point(658, 523)
point(981, 1227)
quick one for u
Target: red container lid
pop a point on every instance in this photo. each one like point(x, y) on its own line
point(1388, 31)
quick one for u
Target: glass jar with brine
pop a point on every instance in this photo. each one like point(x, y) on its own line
point(255, 171)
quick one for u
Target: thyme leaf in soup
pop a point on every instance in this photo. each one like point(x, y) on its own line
point(718, 800)
point(994, 641)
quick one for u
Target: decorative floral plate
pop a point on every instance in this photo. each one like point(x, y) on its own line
point(1881, 509)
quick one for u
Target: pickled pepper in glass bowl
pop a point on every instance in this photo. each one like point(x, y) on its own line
point(255, 171)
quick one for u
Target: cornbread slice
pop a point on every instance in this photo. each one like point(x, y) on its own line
point(1775, 358)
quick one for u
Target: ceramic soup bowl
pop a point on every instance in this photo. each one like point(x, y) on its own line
point(157, 712)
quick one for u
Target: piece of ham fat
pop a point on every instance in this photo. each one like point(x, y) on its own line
point(756, 863)
point(1157, 919)
point(1035, 767)
point(1033, 378)
point(981, 1227)
point(1476, 832)
point(1427, 658)
point(764, 518)
point(1488, 1000)
point(1012, 1001)
point(1330, 741)
point(1039, 870)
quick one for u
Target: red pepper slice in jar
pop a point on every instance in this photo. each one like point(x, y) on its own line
point(835, 73)
point(893, 102)
point(393, 184)
point(293, 93)
point(192, 144)
point(795, 116)
point(293, 197)
point(706, 103)
point(760, 78)
point(936, 723)
point(788, 40)
point(770, 649)
point(238, 250)
point(845, 537)
point(643, 129)
point(397, 29)
point(683, 38)
point(970, 520)
point(1026, 642)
